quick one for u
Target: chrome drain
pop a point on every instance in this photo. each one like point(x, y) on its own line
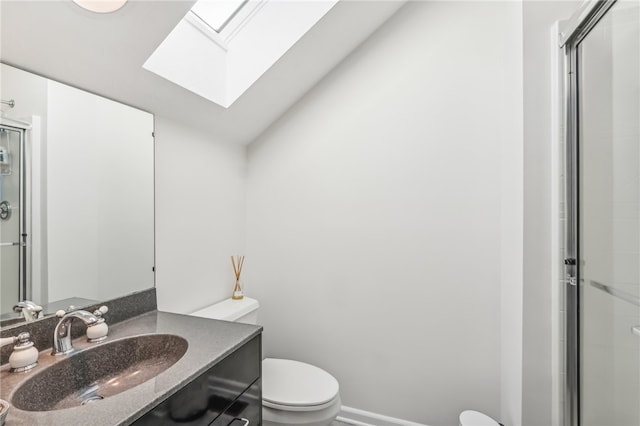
point(92, 398)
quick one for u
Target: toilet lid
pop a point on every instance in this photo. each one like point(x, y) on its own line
point(296, 384)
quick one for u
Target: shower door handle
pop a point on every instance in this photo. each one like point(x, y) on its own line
point(636, 330)
point(11, 244)
point(570, 264)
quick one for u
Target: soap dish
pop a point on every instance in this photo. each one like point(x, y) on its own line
point(4, 409)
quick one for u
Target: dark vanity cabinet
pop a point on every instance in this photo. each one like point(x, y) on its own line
point(228, 394)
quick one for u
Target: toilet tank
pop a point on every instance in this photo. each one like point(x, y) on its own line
point(244, 310)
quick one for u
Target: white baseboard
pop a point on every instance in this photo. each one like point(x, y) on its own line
point(353, 416)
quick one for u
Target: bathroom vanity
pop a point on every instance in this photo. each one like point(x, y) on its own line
point(213, 380)
point(229, 393)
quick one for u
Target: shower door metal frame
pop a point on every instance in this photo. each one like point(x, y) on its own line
point(572, 33)
point(24, 290)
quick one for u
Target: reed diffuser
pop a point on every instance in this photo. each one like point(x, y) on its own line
point(237, 262)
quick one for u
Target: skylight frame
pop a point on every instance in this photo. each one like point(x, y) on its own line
point(235, 24)
point(219, 26)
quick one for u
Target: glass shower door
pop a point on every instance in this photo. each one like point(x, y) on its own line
point(609, 218)
point(12, 271)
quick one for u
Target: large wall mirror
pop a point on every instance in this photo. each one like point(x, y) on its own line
point(76, 196)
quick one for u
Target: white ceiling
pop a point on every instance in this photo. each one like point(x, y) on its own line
point(104, 54)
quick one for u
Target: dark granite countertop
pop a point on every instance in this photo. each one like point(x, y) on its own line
point(209, 342)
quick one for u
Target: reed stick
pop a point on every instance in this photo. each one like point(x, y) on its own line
point(237, 262)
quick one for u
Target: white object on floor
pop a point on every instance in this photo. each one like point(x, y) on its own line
point(475, 418)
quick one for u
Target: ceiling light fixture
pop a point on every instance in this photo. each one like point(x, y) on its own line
point(101, 6)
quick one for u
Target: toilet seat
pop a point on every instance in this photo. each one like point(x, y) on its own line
point(284, 407)
point(296, 386)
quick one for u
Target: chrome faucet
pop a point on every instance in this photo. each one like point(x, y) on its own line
point(62, 333)
point(30, 311)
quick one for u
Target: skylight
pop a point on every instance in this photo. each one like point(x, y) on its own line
point(221, 47)
point(217, 13)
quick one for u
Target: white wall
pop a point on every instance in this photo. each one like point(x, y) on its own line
point(540, 363)
point(511, 226)
point(374, 214)
point(200, 216)
point(28, 90)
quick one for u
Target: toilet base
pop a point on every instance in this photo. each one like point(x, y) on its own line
point(323, 417)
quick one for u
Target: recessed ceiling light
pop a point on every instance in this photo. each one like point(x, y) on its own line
point(101, 6)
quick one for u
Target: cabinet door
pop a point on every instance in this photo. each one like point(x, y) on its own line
point(231, 386)
point(245, 411)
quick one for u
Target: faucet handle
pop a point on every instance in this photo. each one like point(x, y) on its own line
point(98, 331)
point(22, 337)
point(24, 356)
point(101, 311)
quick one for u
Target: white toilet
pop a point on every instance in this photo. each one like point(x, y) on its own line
point(293, 393)
point(475, 418)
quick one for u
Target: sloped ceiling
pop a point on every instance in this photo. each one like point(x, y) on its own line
point(104, 54)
